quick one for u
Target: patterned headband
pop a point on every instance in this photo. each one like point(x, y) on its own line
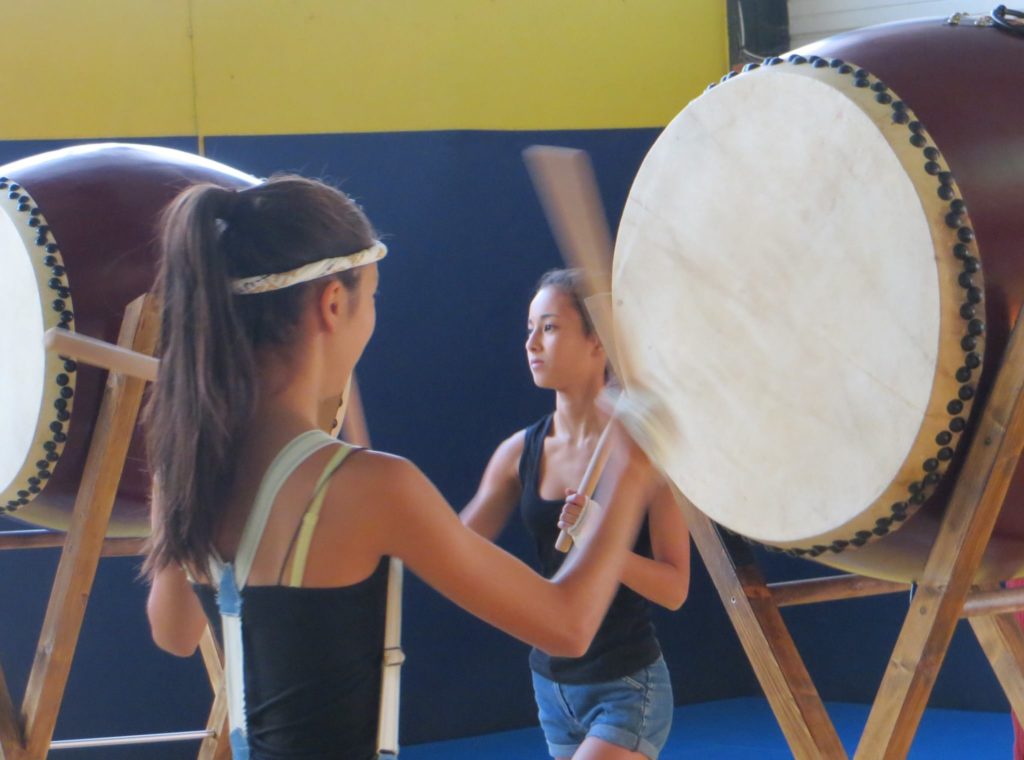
point(263, 283)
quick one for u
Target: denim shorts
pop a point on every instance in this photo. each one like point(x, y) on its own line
point(634, 711)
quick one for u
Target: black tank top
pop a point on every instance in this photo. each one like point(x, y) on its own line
point(626, 641)
point(316, 692)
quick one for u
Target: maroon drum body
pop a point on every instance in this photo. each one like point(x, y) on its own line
point(963, 84)
point(79, 240)
point(815, 275)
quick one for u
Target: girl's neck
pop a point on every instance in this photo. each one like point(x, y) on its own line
point(577, 415)
point(292, 395)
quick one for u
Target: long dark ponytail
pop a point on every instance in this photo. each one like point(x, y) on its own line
point(207, 387)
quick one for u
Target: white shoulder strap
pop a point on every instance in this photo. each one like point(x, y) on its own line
point(230, 578)
point(288, 459)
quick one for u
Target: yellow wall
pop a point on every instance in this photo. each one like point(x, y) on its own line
point(133, 68)
point(95, 68)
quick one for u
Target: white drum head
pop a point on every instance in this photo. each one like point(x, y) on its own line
point(775, 287)
point(28, 389)
point(21, 345)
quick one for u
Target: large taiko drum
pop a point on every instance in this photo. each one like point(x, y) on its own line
point(77, 245)
point(816, 272)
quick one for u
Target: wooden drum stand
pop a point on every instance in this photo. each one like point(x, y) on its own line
point(943, 596)
point(28, 734)
point(945, 592)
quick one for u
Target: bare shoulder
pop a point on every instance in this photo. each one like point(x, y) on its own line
point(370, 496)
point(509, 452)
point(380, 471)
point(366, 499)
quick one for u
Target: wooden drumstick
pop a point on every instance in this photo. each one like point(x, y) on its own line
point(101, 354)
point(564, 180)
point(331, 412)
point(589, 481)
point(352, 419)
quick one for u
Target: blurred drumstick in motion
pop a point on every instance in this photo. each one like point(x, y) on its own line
point(349, 419)
point(564, 180)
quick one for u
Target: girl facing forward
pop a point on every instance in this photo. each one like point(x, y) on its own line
point(614, 701)
point(268, 302)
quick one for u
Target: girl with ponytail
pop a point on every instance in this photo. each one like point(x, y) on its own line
point(279, 533)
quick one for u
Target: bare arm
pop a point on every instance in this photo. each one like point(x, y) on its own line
point(559, 616)
point(401, 513)
point(490, 509)
point(665, 579)
point(176, 617)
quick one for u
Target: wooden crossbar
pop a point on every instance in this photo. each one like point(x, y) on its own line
point(48, 539)
point(832, 588)
point(995, 602)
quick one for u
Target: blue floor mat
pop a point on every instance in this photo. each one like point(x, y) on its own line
point(745, 729)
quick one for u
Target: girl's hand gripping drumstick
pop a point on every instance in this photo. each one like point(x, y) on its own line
point(589, 481)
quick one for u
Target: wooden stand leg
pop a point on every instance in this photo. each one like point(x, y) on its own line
point(11, 740)
point(77, 568)
point(1002, 640)
point(954, 558)
point(952, 563)
point(766, 640)
point(215, 747)
point(28, 736)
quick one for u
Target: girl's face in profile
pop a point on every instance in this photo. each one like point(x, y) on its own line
point(558, 349)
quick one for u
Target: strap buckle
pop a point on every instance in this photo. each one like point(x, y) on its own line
point(393, 657)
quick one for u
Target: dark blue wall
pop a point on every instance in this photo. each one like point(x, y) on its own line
point(444, 379)
point(443, 383)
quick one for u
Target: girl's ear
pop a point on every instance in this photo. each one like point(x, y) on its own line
point(332, 305)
